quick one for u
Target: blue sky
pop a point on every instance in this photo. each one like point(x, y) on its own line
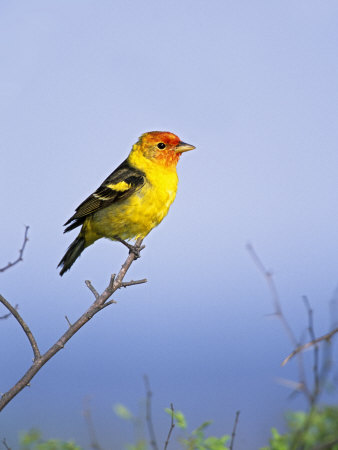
point(253, 85)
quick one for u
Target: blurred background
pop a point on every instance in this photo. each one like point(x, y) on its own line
point(254, 86)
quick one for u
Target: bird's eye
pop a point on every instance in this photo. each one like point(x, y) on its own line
point(161, 145)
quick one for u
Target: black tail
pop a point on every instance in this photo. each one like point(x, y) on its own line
point(74, 251)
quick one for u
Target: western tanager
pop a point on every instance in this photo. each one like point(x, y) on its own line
point(133, 199)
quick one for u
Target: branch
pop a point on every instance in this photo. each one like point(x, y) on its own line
point(24, 326)
point(94, 443)
point(132, 282)
point(273, 290)
point(92, 289)
point(153, 442)
point(311, 330)
point(5, 444)
point(172, 426)
point(233, 434)
point(5, 316)
point(22, 249)
point(268, 276)
point(41, 360)
point(326, 337)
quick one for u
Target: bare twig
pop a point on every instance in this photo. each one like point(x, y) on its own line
point(41, 360)
point(268, 276)
point(172, 426)
point(233, 434)
point(153, 442)
point(132, 282)
point(326, 348)
point(108, 303)
point(296, 386)
point(5, 316)
point(326, 337)
point(22, 249)
point(94, 443)
point(24, 326)
point(5, 444)
point(91, 288)
point(112, 279)
point(316, 388)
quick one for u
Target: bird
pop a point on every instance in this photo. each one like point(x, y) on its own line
point(133, 199)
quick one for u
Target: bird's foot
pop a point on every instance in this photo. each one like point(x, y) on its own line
point(135, 249)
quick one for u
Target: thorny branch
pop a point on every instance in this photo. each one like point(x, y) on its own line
point(40, 360)
point(22, 249)
point(233, 434)
point(268, 276)
point(149, 420)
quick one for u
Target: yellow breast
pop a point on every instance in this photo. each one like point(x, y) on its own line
point(142, 211)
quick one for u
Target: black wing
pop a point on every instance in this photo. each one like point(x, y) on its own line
point(120, 184)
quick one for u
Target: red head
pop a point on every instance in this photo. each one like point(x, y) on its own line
point(162, 146)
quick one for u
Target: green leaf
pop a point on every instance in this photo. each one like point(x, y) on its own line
point(203, 426)
point(123, 412)
point(179, 418)
point(141, 445)
point(55, 444)
point(30, 437)
point(214, 443)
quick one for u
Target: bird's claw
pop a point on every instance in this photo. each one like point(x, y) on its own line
point(135, 249)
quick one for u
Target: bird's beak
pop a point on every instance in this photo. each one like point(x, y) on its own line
point(183, 147)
